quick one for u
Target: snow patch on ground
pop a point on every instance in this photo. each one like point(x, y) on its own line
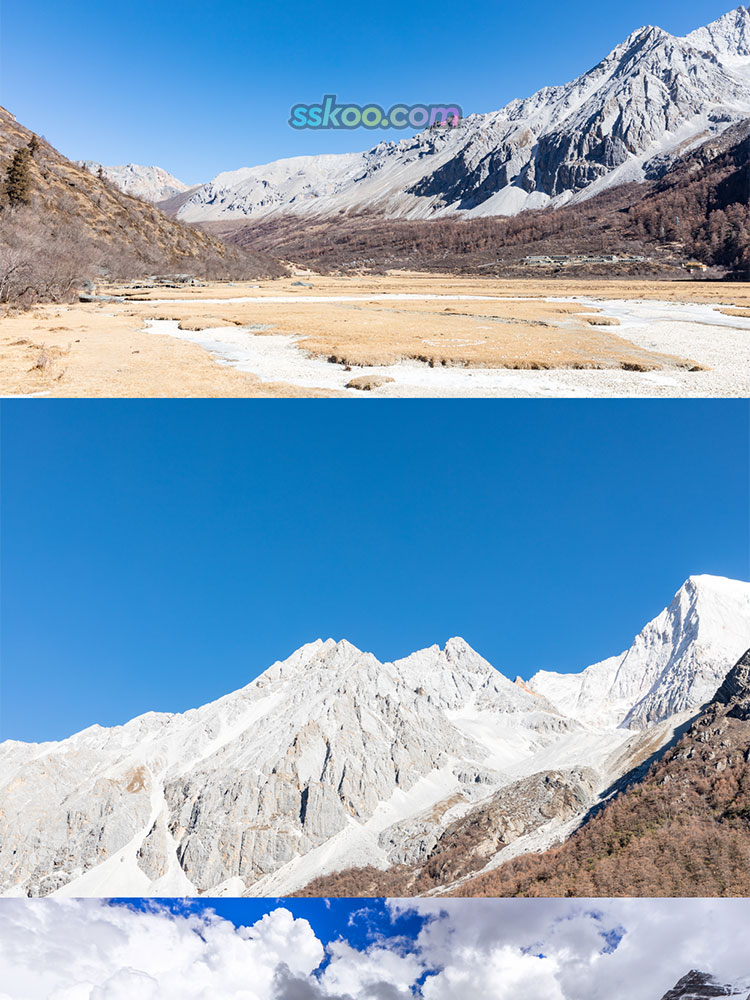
point(697, 332)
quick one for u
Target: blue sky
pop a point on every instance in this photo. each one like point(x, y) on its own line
point(159, 554)
point(199, 88)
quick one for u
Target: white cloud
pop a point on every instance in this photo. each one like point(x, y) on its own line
point(496, 949)
point(87, 950)
point(658, 941)
point(352, 971)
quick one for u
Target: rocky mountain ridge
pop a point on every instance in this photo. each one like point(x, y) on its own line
point(624, 120)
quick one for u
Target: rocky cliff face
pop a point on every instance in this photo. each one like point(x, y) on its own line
point(330, 759)
point(734, 693)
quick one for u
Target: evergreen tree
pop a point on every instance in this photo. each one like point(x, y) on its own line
point(33, 145)
point(18, 177)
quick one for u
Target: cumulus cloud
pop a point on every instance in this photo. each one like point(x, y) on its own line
point(496, 949)
point(87, 950)
point(381, 971)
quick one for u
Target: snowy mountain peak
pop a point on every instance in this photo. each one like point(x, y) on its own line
point(676, 663)
point(697, 985)
point(728, 36)
point(331, 759)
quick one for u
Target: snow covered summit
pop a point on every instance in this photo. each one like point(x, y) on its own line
point(677, 662)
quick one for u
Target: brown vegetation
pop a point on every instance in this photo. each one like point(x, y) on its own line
point(683, 831)
point(61, 226)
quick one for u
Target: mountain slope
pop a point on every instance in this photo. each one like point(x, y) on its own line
point(312, 749)
point(327, 761)
point(147, 183)
point(694, 204)
point(683, 831)
point(652, 95)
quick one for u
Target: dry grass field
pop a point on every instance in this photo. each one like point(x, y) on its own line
point(87, 351)
point(103, 349)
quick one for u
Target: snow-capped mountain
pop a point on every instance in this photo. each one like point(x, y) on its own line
point(147, 183)
point(328, 760)
point(677, 662)
point(698, 985)
point(652, 98)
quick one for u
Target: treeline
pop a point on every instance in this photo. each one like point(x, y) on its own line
point(369, 241)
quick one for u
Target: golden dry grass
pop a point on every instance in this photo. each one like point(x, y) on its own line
point(735, 294)
point(501, 333)
point(731, 311)
point(97, 352)
point(518, 335)
point(99, 349)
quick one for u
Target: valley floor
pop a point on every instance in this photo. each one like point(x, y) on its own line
point(397, 335)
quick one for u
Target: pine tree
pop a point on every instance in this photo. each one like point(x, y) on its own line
point(18, 179)
point(33, 145)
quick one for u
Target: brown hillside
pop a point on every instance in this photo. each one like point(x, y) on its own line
point(468, 843)
point(72, 225)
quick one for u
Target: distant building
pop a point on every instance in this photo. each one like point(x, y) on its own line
point(695, 267)
point(564, 259)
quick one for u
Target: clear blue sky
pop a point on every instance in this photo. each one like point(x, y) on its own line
point(157, 555)
point(199, 88)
